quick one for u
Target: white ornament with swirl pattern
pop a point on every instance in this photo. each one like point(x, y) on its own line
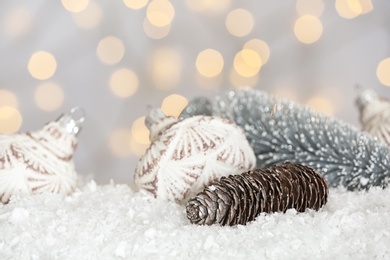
point(40, 161)
point(186, 154)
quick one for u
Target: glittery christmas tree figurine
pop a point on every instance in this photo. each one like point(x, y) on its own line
point(40, 161)
point(280, 130)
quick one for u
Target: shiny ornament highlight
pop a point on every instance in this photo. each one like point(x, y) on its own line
point(187, 154)
point(40, 161)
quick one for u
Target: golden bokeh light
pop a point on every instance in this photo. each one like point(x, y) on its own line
point(321, 105)
point(308, 29)
point(8, 98)
point(251, 58)
point(124, 82)
point(212, 6)
point(348, 8)
point(173, 105)
point(135, 4)
point(259, 46)
point(42, 65)
point(209, 63)
point(110, 50)
point(155, 32)
point(165, 66)
point(75, 6)
point(120, 142)
point(17, 22)
point(247, 63)
point(160, 13)
point(311, 7)
point(139, 131)
point(49, 96)
point(239, 22)
point(366, 6)
point(239, 81)
point(383, 72)
point(90, 17)
point(10, 120)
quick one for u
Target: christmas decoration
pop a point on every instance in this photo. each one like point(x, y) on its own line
point(41, 161)
point(187, 154)
point(374, 114)
point(238, 199)
point(280, 130)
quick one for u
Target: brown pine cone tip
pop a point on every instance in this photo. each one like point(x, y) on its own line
point(238, 199)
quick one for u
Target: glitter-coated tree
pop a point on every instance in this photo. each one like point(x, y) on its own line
point(281, 130)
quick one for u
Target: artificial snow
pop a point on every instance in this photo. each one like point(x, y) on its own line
point(115, 222)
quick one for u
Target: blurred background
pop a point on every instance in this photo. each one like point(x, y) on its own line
point(116, 59)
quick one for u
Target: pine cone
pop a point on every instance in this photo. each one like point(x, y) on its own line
point(238, 199)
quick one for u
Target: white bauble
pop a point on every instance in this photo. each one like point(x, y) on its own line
point(187, 154)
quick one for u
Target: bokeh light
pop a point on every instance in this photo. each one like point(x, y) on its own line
point(155, 32)
point(173, 105)
point(383, 72)
point(308, 29)
point(135, 4)
point(17, 22)
point(348, 8)
point(160, 13)
point(49, 96)
point(90, 17)
point(321, 105)
point(239, 81)
point(119, 142)
point(259, 46)
point(211, 6)
point(75, 6)
point(42, 65)
point(311, 7)
point(8, 98)
point(110, 50)
point(209, 63)
point(239, 22)
point(366, 6)
point(139, 131)
point(165, 65)
point(124, 82)
point(247, 63)
point(10, 120)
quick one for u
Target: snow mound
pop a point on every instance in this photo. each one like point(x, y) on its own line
point(114, 222)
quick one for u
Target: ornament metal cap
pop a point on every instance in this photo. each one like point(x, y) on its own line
point(365, 97)
point(73, 120)
point(157, 122)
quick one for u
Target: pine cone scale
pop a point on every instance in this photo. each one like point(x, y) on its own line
point(235, 200)
point(256, 198)
point(252, 198)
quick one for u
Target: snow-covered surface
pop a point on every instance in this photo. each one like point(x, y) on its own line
point(114, 222)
